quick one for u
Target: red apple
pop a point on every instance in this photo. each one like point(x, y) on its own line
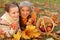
point(42, 29)
point(13, 25)
point(50, 25)
point(31, 20)
point(48, 29)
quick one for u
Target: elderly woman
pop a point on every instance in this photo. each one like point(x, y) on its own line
point(25, 13)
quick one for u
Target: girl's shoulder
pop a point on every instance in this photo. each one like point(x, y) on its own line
point(3, 21)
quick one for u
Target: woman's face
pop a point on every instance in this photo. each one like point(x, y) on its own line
point(14, 13)
point(25, 11)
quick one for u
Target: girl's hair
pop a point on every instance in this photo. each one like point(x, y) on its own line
point(8, 6)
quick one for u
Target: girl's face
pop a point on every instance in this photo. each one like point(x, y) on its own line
point(14, 13)
point(25, 11)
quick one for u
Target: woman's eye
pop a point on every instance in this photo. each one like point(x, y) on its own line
point(28, 10)
point(22, 10)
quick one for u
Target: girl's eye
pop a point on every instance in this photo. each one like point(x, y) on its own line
point(13, 12)
point(17, 12)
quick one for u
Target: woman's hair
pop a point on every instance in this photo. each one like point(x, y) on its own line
point(22, 4)
point(26, 3)
point(11, 5)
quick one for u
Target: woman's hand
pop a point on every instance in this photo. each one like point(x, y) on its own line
point(30, 21)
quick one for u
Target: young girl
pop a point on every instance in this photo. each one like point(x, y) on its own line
point(9, 21)
point(25, 12)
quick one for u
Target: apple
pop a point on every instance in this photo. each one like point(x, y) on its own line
point(48, 29)
point(13, 25)
point(50, 25)
point(31, 20)
point(42, 29)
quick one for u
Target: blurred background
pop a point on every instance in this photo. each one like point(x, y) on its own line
point(50, 4)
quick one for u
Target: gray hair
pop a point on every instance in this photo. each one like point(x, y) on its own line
point(26, 3)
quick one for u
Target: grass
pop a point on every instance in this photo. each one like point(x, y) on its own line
point(1, 10)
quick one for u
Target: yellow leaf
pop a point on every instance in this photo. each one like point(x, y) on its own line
point(30, 27)
point(17, 35)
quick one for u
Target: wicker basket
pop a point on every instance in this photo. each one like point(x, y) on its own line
point(45, 20)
